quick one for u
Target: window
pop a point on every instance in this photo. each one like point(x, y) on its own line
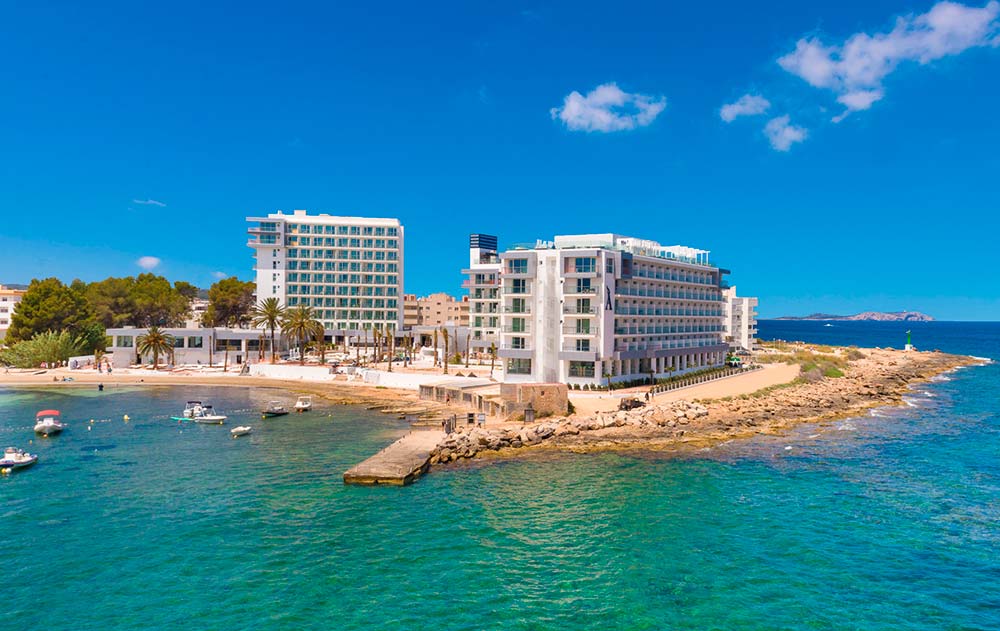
point(519, 286)
point(583, 286)
point(517, 266)
point(581, 369)
point(517, 343)
point(123, 341)
point(583, 305)
point(583, 326)
point(585, 265)
point(517, 325)
point(583, 345)
point(194, 342)
point(519, 366)
point(609, 266)
point(179, 342)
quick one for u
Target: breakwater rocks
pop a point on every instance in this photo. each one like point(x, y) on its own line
point(669, 419)
point(876, 378)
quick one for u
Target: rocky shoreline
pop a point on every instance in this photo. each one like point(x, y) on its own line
point(874, 378)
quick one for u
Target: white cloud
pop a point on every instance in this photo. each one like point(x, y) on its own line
point(148, 262)
point(608, 108)
point(149, 202)
point(746, 105)
point(782, 134)
point(220, 275)
point(855, 70)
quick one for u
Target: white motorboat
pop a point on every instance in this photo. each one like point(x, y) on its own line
point(14, 458)
point(242, 430)
point(200, 413)
point(304, 404)
point(47, 423)
point(209, 417)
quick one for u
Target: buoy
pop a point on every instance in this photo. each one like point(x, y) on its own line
point(125, 418)
point(90, 427)
point(5, 470)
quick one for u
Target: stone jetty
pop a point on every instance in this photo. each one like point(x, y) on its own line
point(400, 463)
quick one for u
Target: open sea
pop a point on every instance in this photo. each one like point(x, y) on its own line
point(887, 521)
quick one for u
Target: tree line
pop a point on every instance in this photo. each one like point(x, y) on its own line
point(54, 321)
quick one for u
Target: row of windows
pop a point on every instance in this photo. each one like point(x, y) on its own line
point(343, 279)
point(378, 231)
point(343, 243)
point(392, 268)
point(342, 290)
point(355, 255)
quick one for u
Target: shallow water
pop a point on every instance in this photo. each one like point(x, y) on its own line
point(887, 521)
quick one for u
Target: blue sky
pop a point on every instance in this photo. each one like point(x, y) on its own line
point(462, 118)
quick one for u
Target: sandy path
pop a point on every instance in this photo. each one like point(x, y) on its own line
point(770, 375)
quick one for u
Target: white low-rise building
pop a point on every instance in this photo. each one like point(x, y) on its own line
point(740, 320)
point(588, 309)
point(195, 346)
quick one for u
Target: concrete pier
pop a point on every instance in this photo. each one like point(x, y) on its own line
point(400, 463)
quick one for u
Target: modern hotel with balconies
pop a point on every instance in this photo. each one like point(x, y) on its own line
point(592, 308)
point(740, 320)
point(348, 269)
point(483, 284)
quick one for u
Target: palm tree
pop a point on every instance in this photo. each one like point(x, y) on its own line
point(493, 356)
point(376, 338)
point(468, 338)
point(435, 348)
point(392, 347)
point(268, 314)
point(300, 324)
point(444, 335)
point(155, 342)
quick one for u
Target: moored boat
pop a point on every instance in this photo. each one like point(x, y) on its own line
point(304, 404)
point(242, 430)
point(200, 413)
point(14, 458)
point(274, 408)
point(47, 423)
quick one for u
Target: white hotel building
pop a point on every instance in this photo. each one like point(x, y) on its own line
point(348, 269)
point(587, 308)
point(740, 320)
point(484, 292)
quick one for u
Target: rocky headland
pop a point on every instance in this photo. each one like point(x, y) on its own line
point(855, 380)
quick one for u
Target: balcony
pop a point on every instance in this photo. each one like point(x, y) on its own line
point(511, 309)
point(580, 330)
point(273, 231)
point(472, 284)
point(517, 291)
point(574, 290)
point(582, 311)
point(515, 329)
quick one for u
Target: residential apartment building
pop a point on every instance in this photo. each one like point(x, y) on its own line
point(435, 310)
point(484, 292)
point(592, 308)
point(740, 320)
point(8, 302)
point(348, 269)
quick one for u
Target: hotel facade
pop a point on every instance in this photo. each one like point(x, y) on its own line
point(348, 269)
point(483, 284)
point(740, 320)
point(588, 309)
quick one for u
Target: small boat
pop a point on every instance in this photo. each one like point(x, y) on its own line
point(242, 430)
point(47, 423)
point(14, 458)
point(304, 404)
point(200, 413)
point(274, 408)
point(209, 417)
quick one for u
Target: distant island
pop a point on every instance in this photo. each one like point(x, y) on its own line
point(878, 316)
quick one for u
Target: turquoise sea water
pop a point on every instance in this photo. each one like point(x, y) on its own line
point(889, 521)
